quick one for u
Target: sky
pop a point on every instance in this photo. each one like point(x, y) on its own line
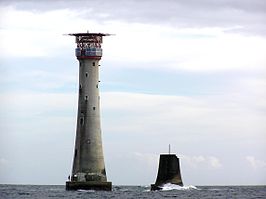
point(188, 73)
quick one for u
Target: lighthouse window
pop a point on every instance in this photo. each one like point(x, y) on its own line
point(93, 63)
point(94, 108)
point(86, 98)
point(81, 121)
point(86, 74)
point(96, 85)
point(76, 151)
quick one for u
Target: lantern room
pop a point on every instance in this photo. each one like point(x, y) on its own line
point(88, 45)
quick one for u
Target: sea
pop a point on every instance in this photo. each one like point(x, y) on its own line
point(134, 192)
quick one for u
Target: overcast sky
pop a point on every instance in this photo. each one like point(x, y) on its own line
point(190, 73)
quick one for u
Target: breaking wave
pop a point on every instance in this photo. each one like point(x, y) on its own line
point(169, 187)
point(87, 191)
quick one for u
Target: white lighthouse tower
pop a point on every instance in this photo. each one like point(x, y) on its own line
point(88, 170)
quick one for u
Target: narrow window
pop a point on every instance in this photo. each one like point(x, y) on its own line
point(86, 98)
point(96, 85)
point(94, 108)
point(86, 74)
point(93, 63)
point(81, 121)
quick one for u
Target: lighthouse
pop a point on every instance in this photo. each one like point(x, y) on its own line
point(88, 171)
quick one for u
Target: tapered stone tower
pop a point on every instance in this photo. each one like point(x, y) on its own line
point(88, 170)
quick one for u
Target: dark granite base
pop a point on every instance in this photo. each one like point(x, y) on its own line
point(92, 185)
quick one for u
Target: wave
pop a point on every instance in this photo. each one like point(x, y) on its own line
point(88, 191)
point(169, 187)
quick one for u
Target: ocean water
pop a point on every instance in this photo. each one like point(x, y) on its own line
point(126, 192)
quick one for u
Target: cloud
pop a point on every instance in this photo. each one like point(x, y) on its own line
point(34, 34)
point(256, 163)
point(3, 162)
point(137, 45)
point(222, 114)
point(201, 161)
point(148, 159)
point(214, 162)
point(246, 16)
point(30, 101)
point(186, 49)
point(25, 113)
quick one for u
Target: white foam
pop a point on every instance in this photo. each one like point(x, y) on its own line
point(169, 186)
point(88, 191)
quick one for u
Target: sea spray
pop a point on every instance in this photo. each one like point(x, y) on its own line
point(169, 187)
